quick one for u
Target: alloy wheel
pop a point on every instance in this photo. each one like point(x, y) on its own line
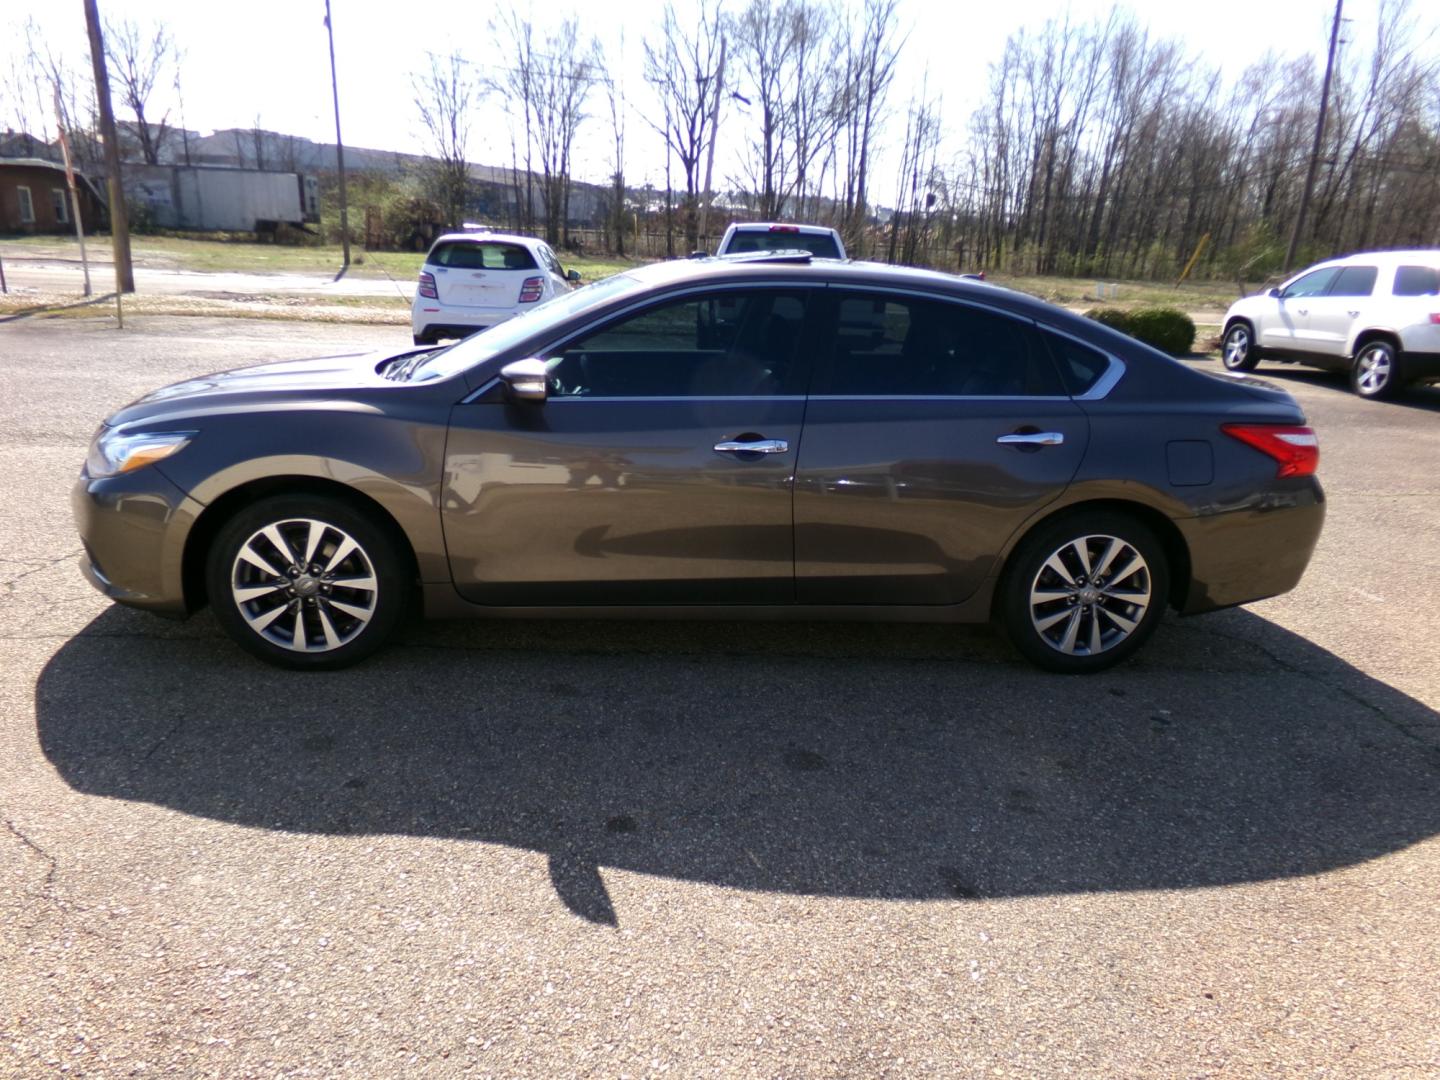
point(1090, 595)
point(1374, 368)
point(1237, 348)
point(304, 585)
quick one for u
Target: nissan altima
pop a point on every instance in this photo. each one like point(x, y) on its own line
point(733, 437)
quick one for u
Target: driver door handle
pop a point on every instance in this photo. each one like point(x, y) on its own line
point(758, 446)
point(1032, 438)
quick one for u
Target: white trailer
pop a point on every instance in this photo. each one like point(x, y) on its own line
point(220, 199)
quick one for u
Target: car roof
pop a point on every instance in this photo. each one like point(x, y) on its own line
point(800, 269)
point(1423, 256)
point(782, 226)
point(488, 237)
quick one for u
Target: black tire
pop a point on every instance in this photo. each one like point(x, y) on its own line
point(340, 623)
point(1238, 351)
point(424, 339)
point(1106, 609)
point(1375, 372)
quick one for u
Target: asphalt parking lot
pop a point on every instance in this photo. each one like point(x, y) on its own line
point(562, 849)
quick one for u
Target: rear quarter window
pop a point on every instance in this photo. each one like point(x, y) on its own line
point(483, 255)
point(1081, 366)
point(1417, 281)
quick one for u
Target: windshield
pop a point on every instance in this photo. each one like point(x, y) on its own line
point(479, 347)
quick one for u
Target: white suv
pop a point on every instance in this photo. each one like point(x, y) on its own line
point(473, 280)
point(1374, 315)
point(819, 241)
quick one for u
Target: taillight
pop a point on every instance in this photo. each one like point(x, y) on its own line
point(427, 286)
point(1435, 318)
point(532, 288)
point(1295, 448)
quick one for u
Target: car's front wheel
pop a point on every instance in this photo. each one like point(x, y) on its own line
point(1084, 592)
point(1238, 351)
point(306, 582)
point(1375, 374)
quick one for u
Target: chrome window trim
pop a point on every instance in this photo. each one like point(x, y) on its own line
point(1107, 380)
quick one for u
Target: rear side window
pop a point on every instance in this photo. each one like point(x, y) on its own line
point(822, 247)
point(1417, 281)
point(897, 346)
point(1080, 366)
point(1354, 281)
point(482, 255)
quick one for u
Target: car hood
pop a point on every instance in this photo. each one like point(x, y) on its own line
point(303, 379)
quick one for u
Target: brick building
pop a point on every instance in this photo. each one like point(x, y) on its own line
point(35, 199)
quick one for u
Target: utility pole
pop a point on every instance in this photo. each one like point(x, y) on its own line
point(339, 145)
point(710, 151)
point(119, 219)
point(64, 140)
point(1319, 137)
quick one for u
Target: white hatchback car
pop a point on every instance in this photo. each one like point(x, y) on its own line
point(1374, 315)
point(473, 280)
point(819, 241)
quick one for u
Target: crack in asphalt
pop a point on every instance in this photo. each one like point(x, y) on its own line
point(1345, 692)
point(10, 583)
point(52, 866)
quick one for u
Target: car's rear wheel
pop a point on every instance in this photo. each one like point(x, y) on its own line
point(424, 339)
point(306, 582)
point(1375, 374)
point(1084, 592)
point(1238, 351)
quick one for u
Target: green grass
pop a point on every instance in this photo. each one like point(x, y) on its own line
point(225, 256)
point(1081, 292)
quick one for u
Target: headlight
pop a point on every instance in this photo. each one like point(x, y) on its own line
point(116, 451)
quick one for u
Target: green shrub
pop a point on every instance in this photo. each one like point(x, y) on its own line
point(1166, 329)
point(1113, 317)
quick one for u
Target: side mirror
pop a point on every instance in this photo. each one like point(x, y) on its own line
point(1275, 292)
point(526, 380)
point(573, 275)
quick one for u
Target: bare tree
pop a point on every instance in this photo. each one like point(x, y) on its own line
point(870, 58)
point(444, 95)
point(615, 99)
point(559, 78)
point(139, 60)
point(682, 67)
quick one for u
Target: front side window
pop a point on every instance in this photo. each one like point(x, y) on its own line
point(482, 255)
point(1315, 283)
point(62, 209)
point(724, 344)
point(1354, 281)
point(1417, 281)
point(900, 346)
point(27, 206)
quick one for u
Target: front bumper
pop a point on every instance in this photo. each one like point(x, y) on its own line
point(1241, 555)
point(134, 527)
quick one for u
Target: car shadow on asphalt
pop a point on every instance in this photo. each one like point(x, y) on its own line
point(899, 762)
point(1424, 398)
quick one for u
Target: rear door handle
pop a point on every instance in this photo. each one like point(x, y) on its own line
point(758, 446)
point(1032, 438)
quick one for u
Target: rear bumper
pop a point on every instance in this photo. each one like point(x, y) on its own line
point(457, 322)
point(133, 528)
point(1243, 555)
